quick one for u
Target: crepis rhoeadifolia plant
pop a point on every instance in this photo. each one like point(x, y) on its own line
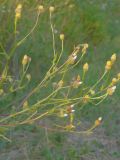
point(59, 102)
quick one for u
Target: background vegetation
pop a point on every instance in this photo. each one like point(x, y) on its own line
point(93, 21)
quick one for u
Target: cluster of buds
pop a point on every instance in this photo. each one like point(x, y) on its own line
point(85, 67)
point(62, 36)
point(98, 121)
point(85, 46)
point(26, 59)
point(77, 82)
point(18, 11)
point(40, 8)
point(111, 90)
point(51, 9)
point(86, 99)
point(110, 63)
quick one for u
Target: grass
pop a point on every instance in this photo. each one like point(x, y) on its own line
point(95, 22)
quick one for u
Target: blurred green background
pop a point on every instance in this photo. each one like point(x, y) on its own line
point(95, 22)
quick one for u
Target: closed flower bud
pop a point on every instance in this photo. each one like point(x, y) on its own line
point(26, 59)
point(51, 9)
point(113, 58)
point(62, 37)
point(108, 65)
point(114, 81)
point(40, 8)
point(85, 67)
point(28, 76)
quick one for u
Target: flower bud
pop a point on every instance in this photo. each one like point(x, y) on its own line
point(51, 9)
point(114, 81)
point(28, 76)
point(26, 59)
point(62, 37)
point(108, 65)
point(113, 58)
point(40, 8)
point(85, 67)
